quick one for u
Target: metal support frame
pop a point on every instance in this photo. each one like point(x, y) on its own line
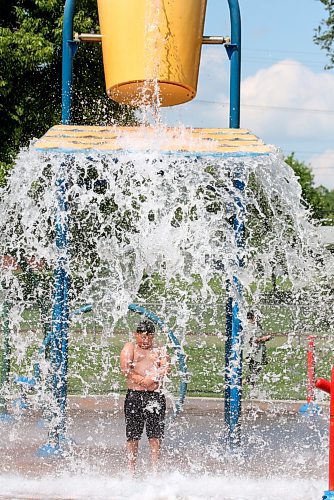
point(60, 308)
point(234, 53)
point(232, 46)
point(233, 346)
point(58, 344)
point(69, 49)
point(60, 317)
point(97, 38)
point(60, 311)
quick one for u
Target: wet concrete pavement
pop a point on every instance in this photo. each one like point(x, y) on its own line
point(276, 440)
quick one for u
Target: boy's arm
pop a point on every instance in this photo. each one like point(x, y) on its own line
point(126, 358)
point(263, 338)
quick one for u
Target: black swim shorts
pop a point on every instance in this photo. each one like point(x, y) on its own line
point(142, 407)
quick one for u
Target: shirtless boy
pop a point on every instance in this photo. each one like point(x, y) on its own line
point(144, 367)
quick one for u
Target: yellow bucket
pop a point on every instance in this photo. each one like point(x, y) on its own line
point(151, 49)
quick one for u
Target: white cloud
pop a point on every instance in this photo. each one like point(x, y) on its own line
point(289, 85)
point(323, 168)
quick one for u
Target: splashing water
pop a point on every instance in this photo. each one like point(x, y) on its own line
point(277, 461)
point(138, 214)
point(158, 229)
point(151, 227)
point(171, 487)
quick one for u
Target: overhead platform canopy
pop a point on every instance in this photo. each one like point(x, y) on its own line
point(198, 141)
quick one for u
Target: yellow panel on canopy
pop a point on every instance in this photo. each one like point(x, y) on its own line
point(202, 141)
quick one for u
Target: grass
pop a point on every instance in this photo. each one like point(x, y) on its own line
point(94, 360)
point(94, 368)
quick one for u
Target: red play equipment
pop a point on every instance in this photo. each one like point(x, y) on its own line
point(310, 369)
point(310, 408)
point(328, 387)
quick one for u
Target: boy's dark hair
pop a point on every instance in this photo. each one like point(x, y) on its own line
point(251, 315)
point(145, 326)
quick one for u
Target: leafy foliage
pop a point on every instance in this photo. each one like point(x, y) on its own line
point(30, 77)
point(319, 199)
point(325, 32)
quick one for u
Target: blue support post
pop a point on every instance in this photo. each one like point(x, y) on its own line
point(69, 49)
point(60, 313)
point(234, 53)
point(233, 371)
point(60, 325)
point(233, 346)
point(60, 317)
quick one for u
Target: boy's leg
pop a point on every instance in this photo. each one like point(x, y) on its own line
point(255, 373)
point(250, 377)
point(134, 422)
point(155, 411)
point(155, 446)
point(132, 451)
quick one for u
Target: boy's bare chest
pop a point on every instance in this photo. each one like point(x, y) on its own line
point(147, 358)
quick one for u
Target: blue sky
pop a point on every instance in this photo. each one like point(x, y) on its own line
point(287, 98)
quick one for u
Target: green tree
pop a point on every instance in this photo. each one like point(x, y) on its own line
point(324, 35)
point(319, 199)
point(30, 74)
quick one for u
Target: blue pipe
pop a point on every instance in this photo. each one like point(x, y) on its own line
point(49, 337)
point(178, 349)
point(233, 372)
point(233, 346)
point(60, 320)
point(68, 51)
point(81, 310)
point(233, 351)
point(234, 53)
point(64, 349)
point(60, 311)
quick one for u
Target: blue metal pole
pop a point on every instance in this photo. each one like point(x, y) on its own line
point(234, 53)
point(60, 324)
point(67, 62)
point(60, 312)
point(49, 338)
point(233, 346)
